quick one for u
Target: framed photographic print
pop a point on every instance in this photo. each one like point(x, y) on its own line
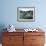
point(26, 14)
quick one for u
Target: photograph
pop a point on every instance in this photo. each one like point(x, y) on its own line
point(26, 14)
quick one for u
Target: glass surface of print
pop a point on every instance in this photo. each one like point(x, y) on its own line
point(26, 14)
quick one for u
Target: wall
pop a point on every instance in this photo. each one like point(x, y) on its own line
point(9, 13)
